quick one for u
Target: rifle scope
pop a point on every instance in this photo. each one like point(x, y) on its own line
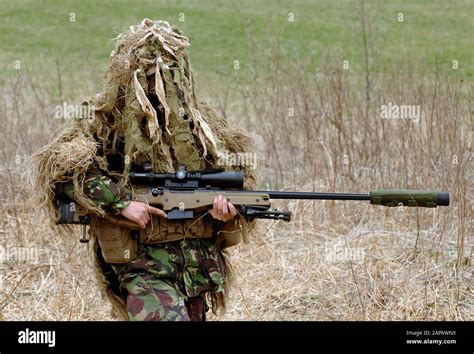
point(195, 179)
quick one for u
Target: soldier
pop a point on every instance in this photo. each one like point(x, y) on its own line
point(148, 115)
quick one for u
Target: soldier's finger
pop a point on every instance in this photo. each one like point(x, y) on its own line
point(145, 219)
point(141, 223)
point(157, 211)
point(225, 210)
point(220, 206)
point(232, 209)
point(214, 206)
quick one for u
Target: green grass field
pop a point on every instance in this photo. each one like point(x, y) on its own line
point(40, 33)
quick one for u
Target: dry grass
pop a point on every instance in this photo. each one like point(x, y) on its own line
point(335, 260)
point(353, 261)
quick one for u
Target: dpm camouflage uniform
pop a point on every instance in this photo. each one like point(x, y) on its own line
point(166, 281)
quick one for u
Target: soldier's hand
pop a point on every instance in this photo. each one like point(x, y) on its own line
point(222, 209)
point(140, 213)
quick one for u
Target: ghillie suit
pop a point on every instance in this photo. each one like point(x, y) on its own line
point(148, 111)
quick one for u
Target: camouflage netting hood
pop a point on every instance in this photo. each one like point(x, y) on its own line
point(148, 106)
point(148, 111)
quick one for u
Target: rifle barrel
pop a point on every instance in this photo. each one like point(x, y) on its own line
point(386, 197)
point(316, 195)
